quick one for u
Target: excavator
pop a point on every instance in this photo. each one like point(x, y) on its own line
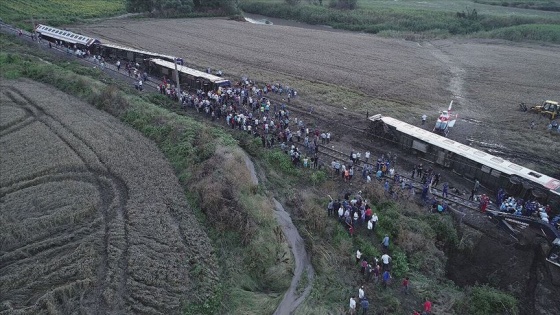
point(548, 108)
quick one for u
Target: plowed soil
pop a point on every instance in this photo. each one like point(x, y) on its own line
point(93, 220)
point(487, 79)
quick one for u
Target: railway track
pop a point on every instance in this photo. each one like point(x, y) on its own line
point(334, 123)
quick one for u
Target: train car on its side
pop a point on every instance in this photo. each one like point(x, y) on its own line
point(189, 78)
point(492, 171)
point(64, 37)
point(116, 52)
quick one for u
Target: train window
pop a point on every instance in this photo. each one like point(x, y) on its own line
point(515, 167)
point(485, 169)
point(449, 141)
point(496, 160)
point(496, 173)
point(479, 153)
point(464, 147)
point(535, 174)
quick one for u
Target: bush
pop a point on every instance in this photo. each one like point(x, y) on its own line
point(483, 300)
point(400, 264)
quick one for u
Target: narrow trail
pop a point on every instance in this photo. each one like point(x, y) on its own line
point(292, 299)
point(457, 81)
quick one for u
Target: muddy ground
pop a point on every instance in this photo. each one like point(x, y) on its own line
point(487, 79)
point(93, 219)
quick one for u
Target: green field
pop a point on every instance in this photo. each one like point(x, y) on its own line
point(56, 12)
point(421, 19)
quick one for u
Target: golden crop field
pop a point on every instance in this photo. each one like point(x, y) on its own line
point(92, 218)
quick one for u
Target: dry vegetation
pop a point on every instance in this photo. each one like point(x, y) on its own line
point(92, 217)
point(404, 79)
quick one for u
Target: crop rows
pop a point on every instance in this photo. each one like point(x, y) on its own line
point(92, 217)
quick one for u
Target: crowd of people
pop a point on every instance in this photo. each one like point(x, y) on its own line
point(355, 212)
point(529, 208)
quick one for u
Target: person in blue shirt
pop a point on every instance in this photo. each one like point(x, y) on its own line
point(385, 242)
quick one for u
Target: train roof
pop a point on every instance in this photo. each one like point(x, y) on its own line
point(494, 162)
point(138, 51)
point(65, 35)
point(195, 73)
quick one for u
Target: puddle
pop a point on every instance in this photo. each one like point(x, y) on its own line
point(262, 22)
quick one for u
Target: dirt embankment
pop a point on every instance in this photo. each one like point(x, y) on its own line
point(93, 218)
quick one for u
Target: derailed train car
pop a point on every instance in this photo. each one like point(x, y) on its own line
point(189, 78)
point(64, 37)
point(114, 51)
point(492, 171)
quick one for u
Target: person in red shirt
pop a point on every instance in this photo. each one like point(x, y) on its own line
point(427, 306)
point(405, 284)
point(416, 312)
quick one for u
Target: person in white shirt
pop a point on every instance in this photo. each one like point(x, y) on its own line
point(361, 293)
point(367, 156)
point(369, 226)
point(374, 219)
point(352, 306)
point(358, 256)
point(385, 259)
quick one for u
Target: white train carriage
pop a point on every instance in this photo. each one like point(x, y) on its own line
point(189, 78)
point(494, 172)
point(114, 51)
point(66, 38)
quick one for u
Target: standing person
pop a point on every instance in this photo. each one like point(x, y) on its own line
point(445, 188)
point(476, 185)
point(361, 293)
point(365, 306)
point(369, 271)
point(386, 260)
point(358, 256)
point(369, 226)
point(367, 156)
point(424, 117)
point(374, 220)
point(352, 306)
point(386, 278)
point(330, 207)
point(405, 284)
point(118, 65)
point(427, 306)
point(385, 242)
point(364, 267)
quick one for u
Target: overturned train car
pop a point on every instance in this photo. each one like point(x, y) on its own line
point(492, 171)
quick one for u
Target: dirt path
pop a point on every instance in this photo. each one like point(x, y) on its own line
point(292, 299)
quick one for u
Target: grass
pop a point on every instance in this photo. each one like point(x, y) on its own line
point(404, 18)
point(545, 5)
point(24, 13)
